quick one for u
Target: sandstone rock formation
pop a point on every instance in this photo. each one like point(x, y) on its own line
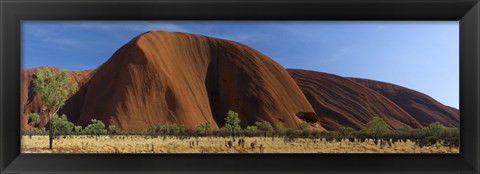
point(422, 107)
point(341, 102)
point(163, 77)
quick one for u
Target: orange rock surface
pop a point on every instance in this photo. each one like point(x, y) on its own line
point(340, 102)
point(163, 77)
point(422, 107)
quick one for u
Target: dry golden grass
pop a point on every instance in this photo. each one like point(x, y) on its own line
point(140, 144)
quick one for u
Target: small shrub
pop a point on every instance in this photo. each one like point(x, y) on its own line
point(223, 132)
point(34, 131)
point(78, 130)
point(61, 125)
point(251, 132)
point(111, 129)
point(96, 128)
point(264, 126)
point(401, 135)
point(316, 134)
point(329, 136)
point(149, 129)
point(252, 128)
point(345, 132)
point(203, 128)
point(303, 125)
point(280, 129)
point(34, 119)
point(292, 134)
point(450, 137)
point(170, 129)
point(305, 133)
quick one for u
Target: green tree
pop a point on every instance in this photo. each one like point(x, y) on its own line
point(96, 128)
point(377, 127)
point(345, 132)
point(264, 126)
point(53, 89)
point(232, 123)
point(435, 128)
point(203, 128)
point(34, 119)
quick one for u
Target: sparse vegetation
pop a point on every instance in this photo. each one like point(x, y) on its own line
point(170, 129)
point(212, 144)
point(376, 137)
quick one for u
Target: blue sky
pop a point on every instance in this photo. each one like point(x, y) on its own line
point(423, 56)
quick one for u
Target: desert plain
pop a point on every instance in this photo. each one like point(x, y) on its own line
point(161, 144)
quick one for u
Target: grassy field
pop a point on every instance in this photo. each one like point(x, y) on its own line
point(142, 144)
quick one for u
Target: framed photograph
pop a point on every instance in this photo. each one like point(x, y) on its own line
point(239, 86)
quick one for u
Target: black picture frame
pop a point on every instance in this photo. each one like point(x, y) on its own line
point(12, 12)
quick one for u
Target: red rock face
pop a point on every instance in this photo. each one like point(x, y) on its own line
point(422, 107)
point(341, 102)
point(162, 77)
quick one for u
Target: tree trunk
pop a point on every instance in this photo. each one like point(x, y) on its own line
point(50, 135)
